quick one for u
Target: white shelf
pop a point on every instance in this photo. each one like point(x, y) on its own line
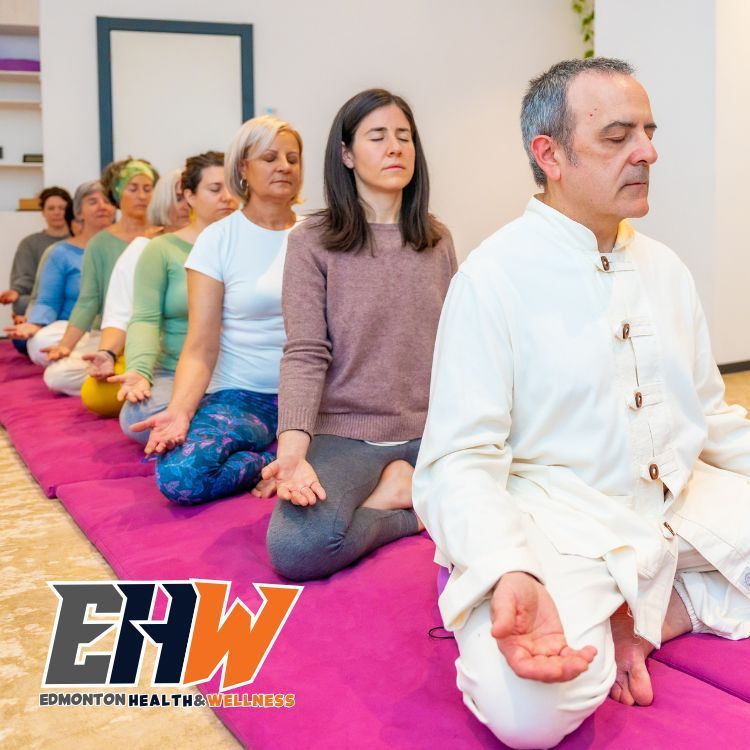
point(20, 165)
point(20, 76)
point(20, 104)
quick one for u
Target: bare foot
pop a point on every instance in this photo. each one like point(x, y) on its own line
point(393, 491)
point(632, 683)
point(265, 488)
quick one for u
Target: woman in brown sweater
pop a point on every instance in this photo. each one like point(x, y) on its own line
point(364, 283)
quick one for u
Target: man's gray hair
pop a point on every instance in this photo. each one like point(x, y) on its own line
point(85, 189)
point(545, 106)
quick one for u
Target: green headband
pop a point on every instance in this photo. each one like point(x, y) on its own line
point(132, 169)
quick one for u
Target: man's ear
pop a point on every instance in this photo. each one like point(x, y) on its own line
point(546, 153)
point(346, 156)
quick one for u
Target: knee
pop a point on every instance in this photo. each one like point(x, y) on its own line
point(54, 378)
point(535, 715)
point(294, 554)
point(179, 485)
point(527, 732)
point(177, 490)
point(129, 415)
point(527, 713)
point(34, 347)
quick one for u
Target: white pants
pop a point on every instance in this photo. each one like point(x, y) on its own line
point(530, 714)
point(66, 375)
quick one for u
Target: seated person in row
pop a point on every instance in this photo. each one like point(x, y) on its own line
point(74, 229)
point(580, 471)
point(60, 278)
point(214, 437)
point(167, 212)
point(364, 283)
point(128, 185)
point(53, 202)
point(157, 328)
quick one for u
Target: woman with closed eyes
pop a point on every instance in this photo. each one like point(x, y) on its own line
point(364, 284)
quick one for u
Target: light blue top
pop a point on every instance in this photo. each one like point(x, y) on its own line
point(59, 285)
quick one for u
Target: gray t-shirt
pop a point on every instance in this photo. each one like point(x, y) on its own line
point(25, 264)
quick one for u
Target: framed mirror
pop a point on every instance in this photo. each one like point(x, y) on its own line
point(169, 89)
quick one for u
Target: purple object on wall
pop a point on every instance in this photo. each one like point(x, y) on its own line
point(12, 63)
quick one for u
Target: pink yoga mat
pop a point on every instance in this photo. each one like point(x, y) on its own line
point(724, 664)
point(61, 442)
point(14, 366)
point(355, 650)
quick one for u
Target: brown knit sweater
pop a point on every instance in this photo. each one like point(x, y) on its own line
point(361, 329)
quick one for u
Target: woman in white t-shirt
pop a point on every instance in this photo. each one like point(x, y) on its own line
point(213, 445)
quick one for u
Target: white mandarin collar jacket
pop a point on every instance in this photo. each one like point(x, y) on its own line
point(580, 388)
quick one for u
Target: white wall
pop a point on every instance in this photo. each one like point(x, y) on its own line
point(672, 48)
point(732, 248)
point(694, 59)
point(463, 69)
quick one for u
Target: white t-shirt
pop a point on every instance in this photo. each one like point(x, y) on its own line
point(249, 261)
point(118, 304)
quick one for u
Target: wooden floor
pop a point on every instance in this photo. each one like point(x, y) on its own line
point(41, 543)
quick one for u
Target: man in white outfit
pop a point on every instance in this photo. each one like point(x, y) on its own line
point(580, 472)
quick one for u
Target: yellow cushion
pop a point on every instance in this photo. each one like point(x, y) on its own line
point(100, 396)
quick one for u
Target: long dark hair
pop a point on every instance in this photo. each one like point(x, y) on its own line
point(344, 221)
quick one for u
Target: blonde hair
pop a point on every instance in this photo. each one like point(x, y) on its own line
point(251, 140)
point(163, 198)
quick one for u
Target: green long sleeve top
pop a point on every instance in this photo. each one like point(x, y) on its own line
point(99, 259)
point(158, 325)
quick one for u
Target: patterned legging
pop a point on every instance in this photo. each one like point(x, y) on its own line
point(225, 447)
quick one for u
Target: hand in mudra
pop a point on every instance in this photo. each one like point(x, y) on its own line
point(529, 634)
point(168, 429)
point(133, 386)
point(100, 365)
point(22, 331)
point(296, 480)
point(57, 352)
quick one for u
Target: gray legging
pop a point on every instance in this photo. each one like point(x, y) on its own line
point(161, 394)
point(306, 542)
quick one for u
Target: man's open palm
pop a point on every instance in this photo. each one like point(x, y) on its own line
point(529, 633)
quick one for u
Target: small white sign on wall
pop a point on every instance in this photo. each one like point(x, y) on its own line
point(173, 94)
